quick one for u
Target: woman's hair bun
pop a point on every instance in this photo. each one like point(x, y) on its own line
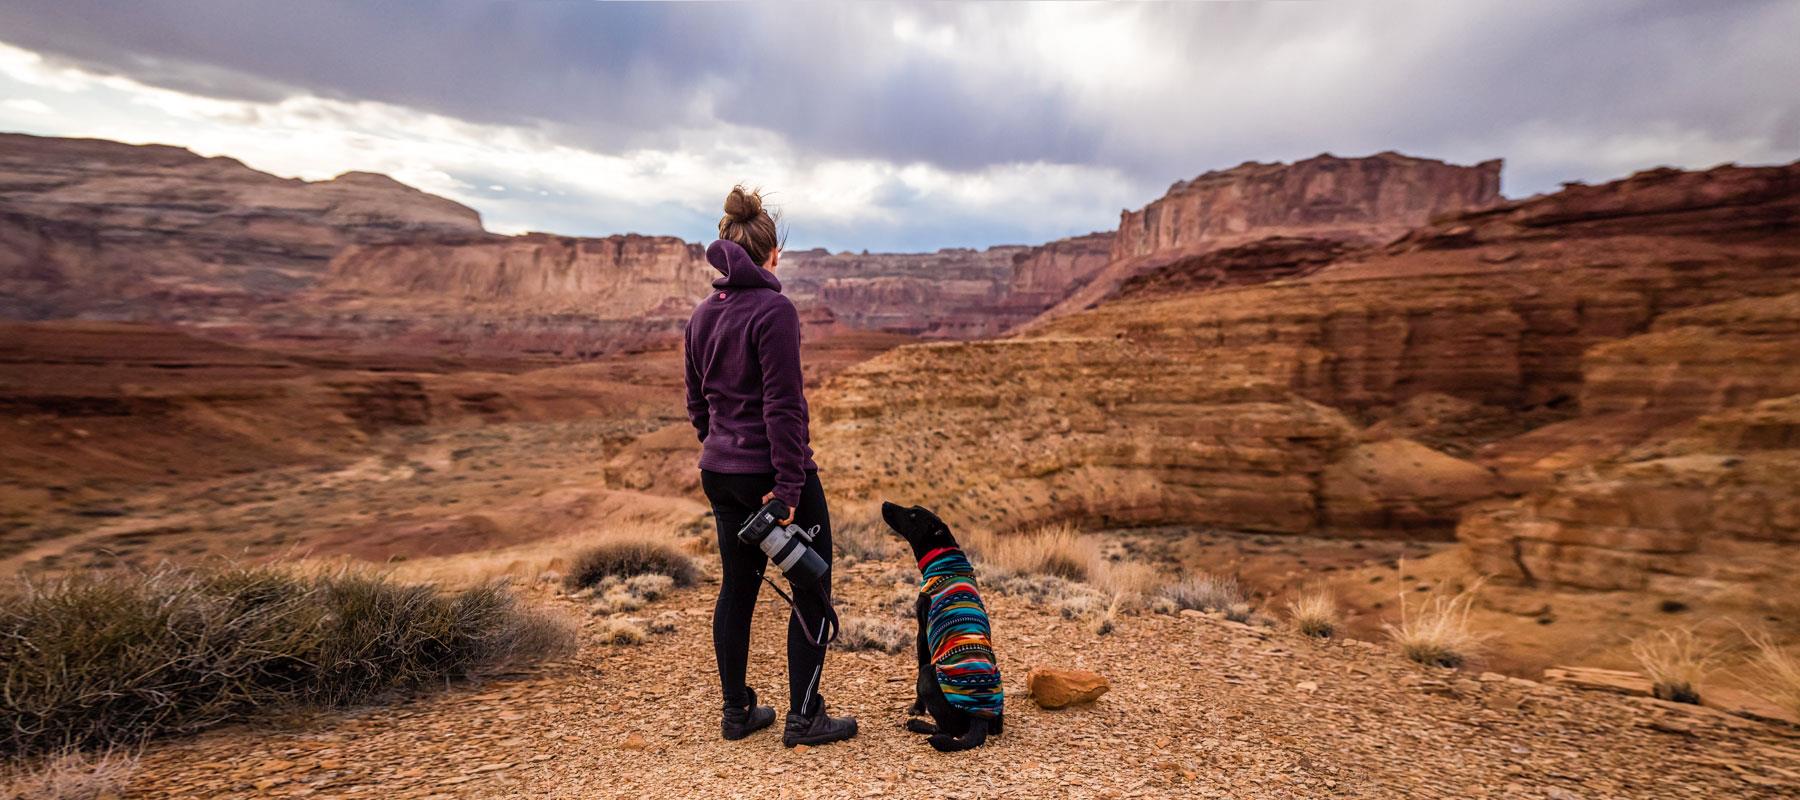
point(743, 205)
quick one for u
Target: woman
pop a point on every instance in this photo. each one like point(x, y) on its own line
point(745, 397)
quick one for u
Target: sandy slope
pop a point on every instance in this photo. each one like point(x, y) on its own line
point(1200, 708)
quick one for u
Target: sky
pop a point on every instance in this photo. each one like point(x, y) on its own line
point(899, 127)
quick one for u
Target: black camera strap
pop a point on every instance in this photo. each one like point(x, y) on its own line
point(830, 622)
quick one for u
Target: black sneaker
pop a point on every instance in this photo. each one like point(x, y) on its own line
point(741, 721)
point(817, 729)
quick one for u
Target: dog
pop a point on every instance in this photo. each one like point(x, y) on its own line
point(959, 678)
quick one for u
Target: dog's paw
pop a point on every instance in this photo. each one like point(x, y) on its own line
point(921, 726)
point(917, 709)
point(944, 743)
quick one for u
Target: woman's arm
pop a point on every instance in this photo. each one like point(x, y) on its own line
point(699, 412)
point(784, 400)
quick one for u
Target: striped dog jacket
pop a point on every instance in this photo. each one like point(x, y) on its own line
point(958, 633)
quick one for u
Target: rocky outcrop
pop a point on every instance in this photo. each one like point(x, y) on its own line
point(1710, 509)
point(1261, 261)
point(108, 229)
point(1693, 504)
point(955, 293)
point(1357, 200)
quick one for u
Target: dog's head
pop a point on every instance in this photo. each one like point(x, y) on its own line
point(921, 529)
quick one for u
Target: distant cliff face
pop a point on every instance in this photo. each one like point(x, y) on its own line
point(1355, 200)
point(110, 229)
point(952, 293)
point(616, 277)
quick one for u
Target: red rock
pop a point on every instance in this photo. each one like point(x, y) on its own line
point(1052, 687)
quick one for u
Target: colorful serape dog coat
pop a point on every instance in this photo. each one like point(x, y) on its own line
point(958, 633)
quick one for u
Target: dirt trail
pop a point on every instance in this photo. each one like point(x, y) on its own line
point(1200, 708)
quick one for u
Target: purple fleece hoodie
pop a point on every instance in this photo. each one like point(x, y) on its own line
point(744, 390)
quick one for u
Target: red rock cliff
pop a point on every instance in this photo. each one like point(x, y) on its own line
point(1359, 200)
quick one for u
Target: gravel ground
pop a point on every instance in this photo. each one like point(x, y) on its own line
point(1200, 707)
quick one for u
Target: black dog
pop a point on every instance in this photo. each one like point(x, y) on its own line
point(959, 679)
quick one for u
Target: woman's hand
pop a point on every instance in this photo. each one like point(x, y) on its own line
point(790, 516)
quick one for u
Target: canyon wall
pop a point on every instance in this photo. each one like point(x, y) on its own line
point(954, 293)
point(108, 229)
point(1251, 406)
point(1366, 200)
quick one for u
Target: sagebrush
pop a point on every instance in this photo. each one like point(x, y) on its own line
point(116, 658)
point(625, 558)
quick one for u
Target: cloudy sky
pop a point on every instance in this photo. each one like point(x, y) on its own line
point(899, 127)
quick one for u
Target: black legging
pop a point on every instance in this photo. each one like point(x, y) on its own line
point(734, 498)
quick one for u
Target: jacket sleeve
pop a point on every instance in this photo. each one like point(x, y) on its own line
point(698, 412)
point(784, 400)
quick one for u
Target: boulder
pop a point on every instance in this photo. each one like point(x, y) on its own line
point(1052, 687)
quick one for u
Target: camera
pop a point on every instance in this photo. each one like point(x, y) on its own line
point(787, 546)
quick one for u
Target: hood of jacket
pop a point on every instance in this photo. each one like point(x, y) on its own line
point(736, 269)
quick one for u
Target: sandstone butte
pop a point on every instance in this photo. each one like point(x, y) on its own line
point(1366, 200)
point(1592, 389)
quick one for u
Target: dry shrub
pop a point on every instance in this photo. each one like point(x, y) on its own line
point(1107, 619)
point(1080, 606)
point(1777, 672)
point(625, 558)
point(1438, 632)
point(1206, 592)
point(1057, 551)
point(1314, 613)
point(71, 776)
point(620, 631)
point(1133, 583)
point(114, 659)
point(1676, 661)
point(870, 633)
point(864, 537)
point(902, 600)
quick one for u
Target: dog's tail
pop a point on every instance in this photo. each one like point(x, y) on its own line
point(975, 737)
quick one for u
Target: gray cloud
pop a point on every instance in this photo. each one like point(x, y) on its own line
point(1157, 93)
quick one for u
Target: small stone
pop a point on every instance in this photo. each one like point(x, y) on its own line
point(1307, 686)
point(635, 742)
point(1051, 687)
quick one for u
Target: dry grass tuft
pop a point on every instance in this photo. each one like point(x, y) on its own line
point(629, 557)
point(1777, 671)
point(101, 660)
point(1057, 551)
point(1205, 592)
point(71, 776)
point(869, 633)
point(864, 536)
point(1314, 613)
point(1107, 619)
point(1132, 583)
point(1439, 632)
point(621, 632)
point(1676, 661)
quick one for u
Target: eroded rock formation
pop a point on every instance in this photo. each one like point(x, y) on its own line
point(1356, 200)
point(1245, 406)
point(103, 228)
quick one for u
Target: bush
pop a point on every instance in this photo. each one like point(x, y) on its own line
point(1204, 592)
point(1439, 632)
point(1314, 614)
point(118, 658)
point(1675, 661)
point(869, 633)
point(627, 558)
point(621, 631)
